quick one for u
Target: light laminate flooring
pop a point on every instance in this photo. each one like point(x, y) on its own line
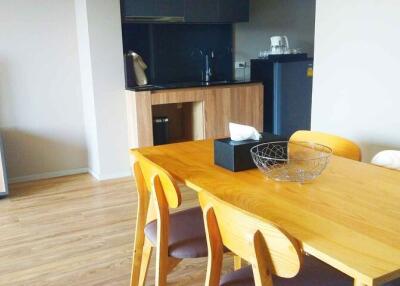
point(77, 231)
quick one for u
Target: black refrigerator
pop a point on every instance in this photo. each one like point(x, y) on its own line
point(287, 92)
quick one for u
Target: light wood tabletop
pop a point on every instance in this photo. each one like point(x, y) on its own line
point(349, 217)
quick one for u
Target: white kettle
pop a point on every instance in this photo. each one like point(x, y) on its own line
point(279, 45)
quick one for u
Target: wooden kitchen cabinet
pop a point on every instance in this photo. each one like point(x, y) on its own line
point(217, 112)
point(247, 105)
point(198, 113)
point(239, 104)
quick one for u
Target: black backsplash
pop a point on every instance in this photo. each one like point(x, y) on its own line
point(172, 51)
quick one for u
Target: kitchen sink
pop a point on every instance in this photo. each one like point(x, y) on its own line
point(182, 84)
point(215, 82)
point(147, 87)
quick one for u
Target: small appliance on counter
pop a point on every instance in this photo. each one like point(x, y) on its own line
point(139, 67)
point(160, 130)
point(279, 46)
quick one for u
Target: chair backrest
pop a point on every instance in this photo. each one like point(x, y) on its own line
point(267, 247)
point(340, 146)
point(149, 172)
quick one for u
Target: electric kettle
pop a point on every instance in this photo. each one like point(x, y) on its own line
point(279, 45)
point(139, 67)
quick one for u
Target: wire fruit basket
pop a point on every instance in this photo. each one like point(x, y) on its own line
point(291, 161)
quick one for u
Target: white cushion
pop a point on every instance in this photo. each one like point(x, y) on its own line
point(388, 159)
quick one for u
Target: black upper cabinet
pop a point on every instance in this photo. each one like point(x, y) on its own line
point(142, 8)
point(189, 11)
point(153, 8)
point(217, 11)
point(170, 8)
point(234, 10)
point(201, 11)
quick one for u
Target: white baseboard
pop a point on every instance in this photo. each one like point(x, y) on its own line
point(47, 175)
point(94, 174)
point(63, 173)
point(101, 177)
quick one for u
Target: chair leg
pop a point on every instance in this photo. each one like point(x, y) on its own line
point(172, 263)
point(358, 283)
point(144, 211)
point(137, 258)
point(237, 262)
point(162, 258)
point(144, 266)
point(136, 261)
point(161, 267)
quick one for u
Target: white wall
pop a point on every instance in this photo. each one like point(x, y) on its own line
point(87, 88)
point(268, 18)
point(41, 115)
point(357, 80)
point(103, 85)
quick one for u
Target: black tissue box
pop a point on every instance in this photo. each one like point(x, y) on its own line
point(235, 155)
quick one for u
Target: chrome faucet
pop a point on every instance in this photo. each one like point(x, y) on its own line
point(207, 69)
point(208, 66)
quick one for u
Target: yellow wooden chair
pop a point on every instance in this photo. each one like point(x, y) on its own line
point(340, 146)
point(176, 236)
point(275, 257)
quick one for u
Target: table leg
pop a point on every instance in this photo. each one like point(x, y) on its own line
point(359, 283)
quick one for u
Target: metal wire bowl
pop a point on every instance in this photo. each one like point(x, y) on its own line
point(291, 161)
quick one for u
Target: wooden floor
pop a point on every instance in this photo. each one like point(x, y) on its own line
point(77, 231)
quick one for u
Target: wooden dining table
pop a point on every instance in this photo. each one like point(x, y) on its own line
point(349, 217)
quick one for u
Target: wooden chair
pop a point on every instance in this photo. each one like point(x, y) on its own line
point(275, 257)
point(175, 236)
point(340, 146)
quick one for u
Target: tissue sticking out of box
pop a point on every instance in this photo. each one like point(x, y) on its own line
point(243, 132)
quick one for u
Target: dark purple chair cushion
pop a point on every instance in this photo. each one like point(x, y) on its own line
point(187, 237)
point(393, 283)
point(314, 272)
point(241, 277)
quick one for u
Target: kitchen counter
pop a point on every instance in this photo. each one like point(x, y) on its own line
point(177, 85)
point(195, 111)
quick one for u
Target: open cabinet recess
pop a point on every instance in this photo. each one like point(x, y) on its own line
point(185, 121)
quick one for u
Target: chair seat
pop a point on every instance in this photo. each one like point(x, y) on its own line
point(393, 283)
point(314, 272)
point(187, 238)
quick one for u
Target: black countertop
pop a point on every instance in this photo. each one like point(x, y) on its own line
point(176, 85)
